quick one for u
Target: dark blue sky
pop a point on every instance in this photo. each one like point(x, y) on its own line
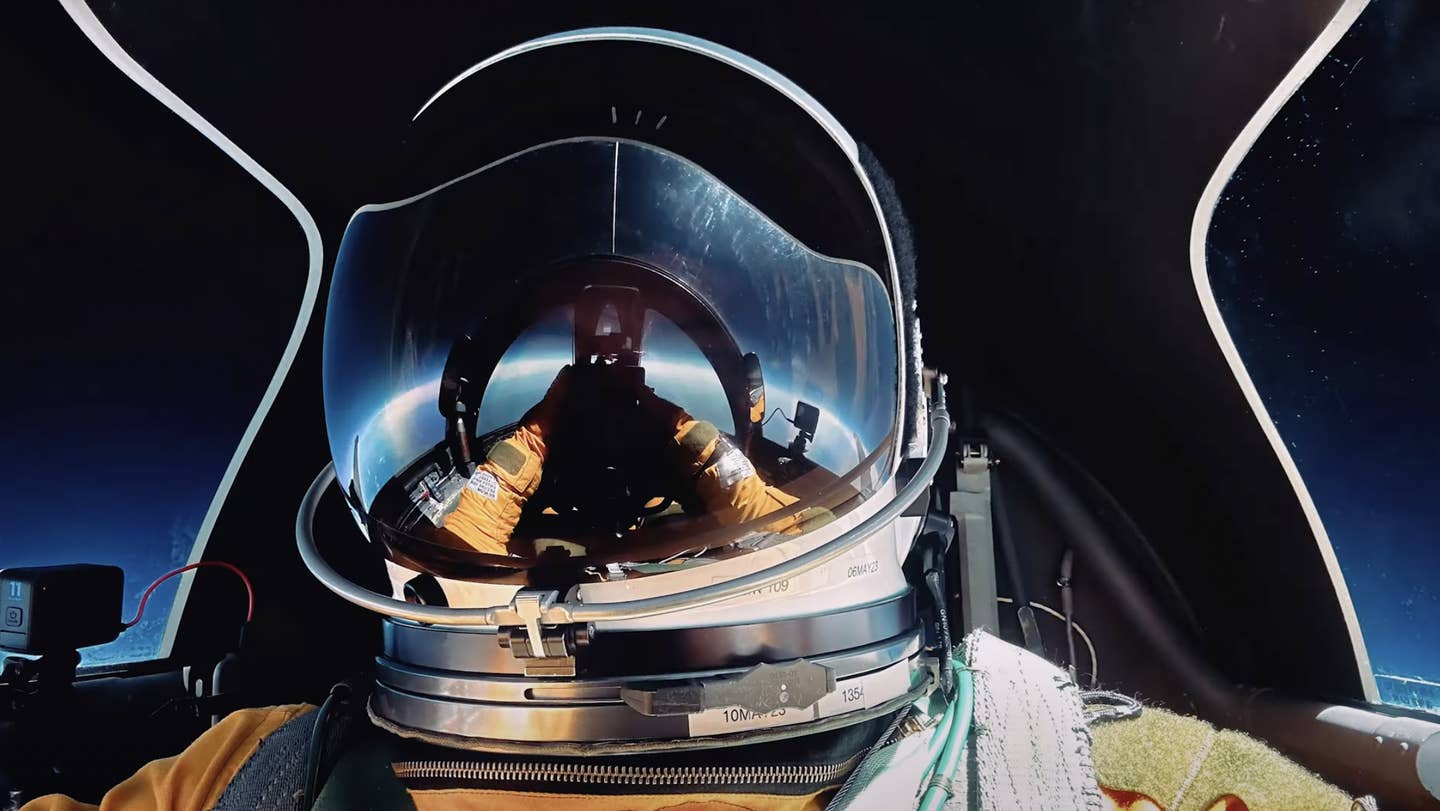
point(1324, 254)
point(121, 468)
point(150, 286)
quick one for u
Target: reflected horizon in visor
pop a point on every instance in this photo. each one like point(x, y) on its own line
point(656, 286)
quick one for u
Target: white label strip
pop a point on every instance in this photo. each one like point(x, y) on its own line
point(738, 719)
point(870, 690)
point(485, 484)
point(858, 693)
point(843, 571)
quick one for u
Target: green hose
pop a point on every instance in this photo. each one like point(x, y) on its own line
point(936, 745)
point(955, 727)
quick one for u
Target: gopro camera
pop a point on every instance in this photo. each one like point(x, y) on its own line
point(51, 609)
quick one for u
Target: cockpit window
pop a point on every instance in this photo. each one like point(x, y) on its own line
point(1323, 256)
point(118, 421)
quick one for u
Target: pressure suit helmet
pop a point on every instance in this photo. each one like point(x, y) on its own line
point(623, 379)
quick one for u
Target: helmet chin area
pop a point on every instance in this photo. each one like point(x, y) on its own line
point(652, 689)
point(834, 645)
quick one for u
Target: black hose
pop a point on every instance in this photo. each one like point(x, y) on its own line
point(999, 508)
point(315, 754)
point(1032, 462)
point(1095, 492)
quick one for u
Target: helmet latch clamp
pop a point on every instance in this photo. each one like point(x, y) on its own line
point(544, 650)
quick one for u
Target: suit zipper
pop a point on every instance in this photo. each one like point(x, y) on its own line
point(610, 775)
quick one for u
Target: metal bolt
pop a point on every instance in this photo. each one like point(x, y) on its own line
point(584, 634)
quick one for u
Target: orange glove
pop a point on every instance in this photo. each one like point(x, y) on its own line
point(724, 478)
point(491, 502)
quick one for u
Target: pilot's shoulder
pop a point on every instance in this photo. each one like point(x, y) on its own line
point(197, 777)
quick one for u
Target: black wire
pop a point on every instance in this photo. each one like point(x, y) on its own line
point(1067, 604)
point(934, 579)
point(781, 412)
point(314, 755)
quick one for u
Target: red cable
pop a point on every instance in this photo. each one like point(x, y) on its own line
point(144, 598)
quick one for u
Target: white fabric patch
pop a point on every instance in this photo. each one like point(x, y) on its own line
point(1028, 745)
point(484, 483)
point(733, 468)
point(1029, 741)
